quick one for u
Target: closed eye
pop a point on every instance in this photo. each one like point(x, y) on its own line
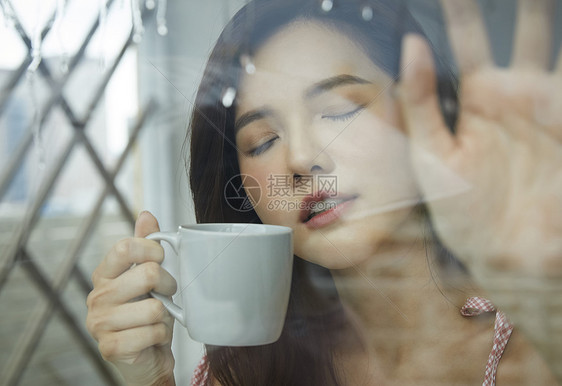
point(262, 148)
point(343, 116)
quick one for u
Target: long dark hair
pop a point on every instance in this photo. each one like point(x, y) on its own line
point(316, 324)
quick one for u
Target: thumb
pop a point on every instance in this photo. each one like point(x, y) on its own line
point(419, 99)
point(146, 224)
point(433, 147)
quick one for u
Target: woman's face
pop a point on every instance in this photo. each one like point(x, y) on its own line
point(316, 126)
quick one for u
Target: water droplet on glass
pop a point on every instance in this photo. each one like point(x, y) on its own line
point(327, 5)
point(59, 16)
point(161, 18)
point(7, 10)
point(61, 7)
point(102, 28)
point(36, 122)
point(162, 30)
point(137, 21)
point(35, 50)
point(150, 4)
point(250, 68)
point(228, 97)
point(247, 64)
point(367, 13)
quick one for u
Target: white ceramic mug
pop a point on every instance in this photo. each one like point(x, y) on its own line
point(233, 281)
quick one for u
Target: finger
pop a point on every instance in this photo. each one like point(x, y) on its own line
point(139, 281)
point(127, 344)
point(467, 34)
point(419, 99)
point(146, 224)
point(129, 315)
point(533, 36)
point(124, 254)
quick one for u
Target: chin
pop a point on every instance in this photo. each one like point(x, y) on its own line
point(349, 244)
point(336, 250)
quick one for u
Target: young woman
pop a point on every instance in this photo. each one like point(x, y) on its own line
point(441, 197)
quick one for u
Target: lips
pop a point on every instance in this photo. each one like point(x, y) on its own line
point(321, 210)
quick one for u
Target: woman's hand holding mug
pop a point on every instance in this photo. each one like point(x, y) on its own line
point(134, 331)
point(234, 280)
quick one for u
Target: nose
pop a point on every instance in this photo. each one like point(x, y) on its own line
point(306, 155)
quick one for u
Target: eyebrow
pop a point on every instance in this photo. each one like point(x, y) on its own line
point(333, 82)
point(251, 116)
point(313, 91)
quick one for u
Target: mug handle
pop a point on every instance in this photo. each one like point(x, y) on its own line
point(173, 239)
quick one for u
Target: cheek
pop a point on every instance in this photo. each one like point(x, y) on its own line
point(371, 145)
point(269, 175)
point(276, 210)
point(375, 160)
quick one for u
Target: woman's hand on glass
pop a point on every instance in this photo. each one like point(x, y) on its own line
point(134, 331)
point(494, 188)
point(503, 167)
